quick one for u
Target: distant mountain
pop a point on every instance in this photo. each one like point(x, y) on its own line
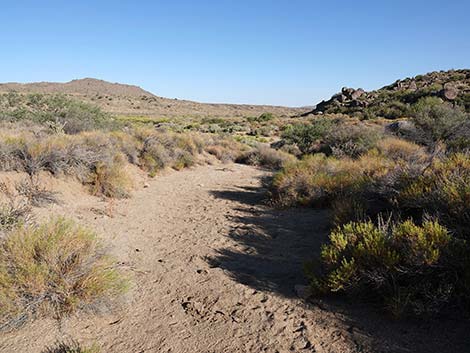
point(393, 101)
point(126, 99)
point(85, 86)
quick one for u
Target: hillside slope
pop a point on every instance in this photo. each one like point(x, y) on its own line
point(125, 99)
point(393, 101)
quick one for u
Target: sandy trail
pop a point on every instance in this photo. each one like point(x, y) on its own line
point(213, 271)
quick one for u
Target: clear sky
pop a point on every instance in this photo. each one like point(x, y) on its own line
point(293, 52)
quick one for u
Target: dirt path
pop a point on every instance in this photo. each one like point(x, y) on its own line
point(213, 271)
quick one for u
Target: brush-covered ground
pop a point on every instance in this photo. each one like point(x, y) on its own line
point(252, 233)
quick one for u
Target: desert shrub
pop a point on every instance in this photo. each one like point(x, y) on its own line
point(182, 159)
point(306, 135)
point(317, 180)
point(126, 143)
point(225, 149)
point(398, 149)
point(410, 268)
point(55, 154)
point(439, 121)
point(460, 139)
point(154, 156)
point(58, 112)
point(392, 109)
point(265, 156)
point(262, 118)
point(110, 179)
point(348, 140)
point(53, 270)
point(70, 346)
point(164, 149)
point(13, 211)
point(338, 137)
point(443, 190)
point(36, 194)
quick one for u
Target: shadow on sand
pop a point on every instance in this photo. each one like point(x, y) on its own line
point(272, 246)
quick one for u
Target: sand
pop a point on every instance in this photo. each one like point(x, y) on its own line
point(213, 270)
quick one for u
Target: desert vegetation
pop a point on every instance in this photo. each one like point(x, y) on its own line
point(392, 168)
point(53, 269)
point(70, 347)
point(399, 205)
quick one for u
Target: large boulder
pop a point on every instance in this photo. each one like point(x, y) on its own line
point(357, 94)
point(449, 92)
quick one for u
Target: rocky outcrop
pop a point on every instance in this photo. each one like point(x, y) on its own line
point(452, 86)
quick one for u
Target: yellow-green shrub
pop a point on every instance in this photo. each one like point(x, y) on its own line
point(53, 270)
point(411, 268)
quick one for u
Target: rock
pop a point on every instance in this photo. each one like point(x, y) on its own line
point(342, 98)
point(357, 93)
point(303, 292)
point(278, 144)
point(347, 91)
point(401, 127)
point(146, 185)
point(449, 92)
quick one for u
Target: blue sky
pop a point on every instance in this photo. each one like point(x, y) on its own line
point(293, 52)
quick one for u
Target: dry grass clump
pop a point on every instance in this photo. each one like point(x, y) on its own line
point(223, 148)
point(318, 180)
point(110, 179)
point(443, 190)
point(401, 150)
point(266, 156)
point(166, 149)
point(53, 270)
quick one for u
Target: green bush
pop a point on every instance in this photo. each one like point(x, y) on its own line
point(305, 135)
point(410, 268)
point(352, 140)
point(60, 113)
point(438, 121)
point(262, 118)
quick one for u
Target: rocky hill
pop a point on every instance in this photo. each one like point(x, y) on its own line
point(125, 99)
point(86, 86)
point(394, 101)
